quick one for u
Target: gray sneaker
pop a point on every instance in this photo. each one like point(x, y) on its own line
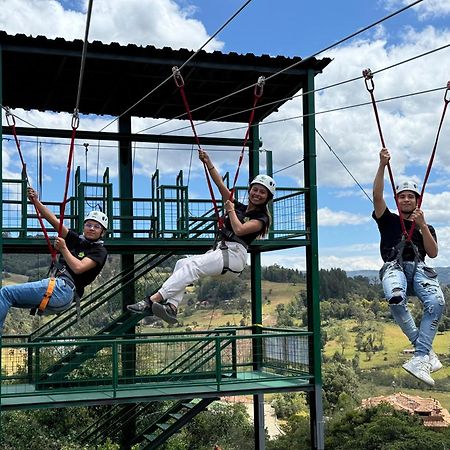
point(420, 367)
point(166, 312)
point(434, 362)
point(143, 307)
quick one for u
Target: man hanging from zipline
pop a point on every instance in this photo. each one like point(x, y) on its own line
point(81, 259)
point(406, 239)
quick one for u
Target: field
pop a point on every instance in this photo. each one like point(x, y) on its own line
point(273, 294)
point(390, 360)
point(387, 362)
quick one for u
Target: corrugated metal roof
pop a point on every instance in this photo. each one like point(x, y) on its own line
point(42, 74)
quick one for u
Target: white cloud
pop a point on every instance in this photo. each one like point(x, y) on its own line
point(327, 217)
point(142, 22)
point(409, 124)
point(424, 10)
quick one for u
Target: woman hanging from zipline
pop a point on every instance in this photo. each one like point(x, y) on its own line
point(241, 225)
point(81, 259)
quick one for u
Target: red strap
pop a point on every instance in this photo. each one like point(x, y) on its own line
point(180, 84)
point(433, 153)
point(368, 79)
point(11, 121)
point(75, 123)
point(257, 94)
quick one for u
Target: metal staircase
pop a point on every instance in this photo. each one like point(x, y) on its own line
point(170, 422)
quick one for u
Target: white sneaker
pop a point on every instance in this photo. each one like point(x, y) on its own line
point(434, 362)
point(420, 367)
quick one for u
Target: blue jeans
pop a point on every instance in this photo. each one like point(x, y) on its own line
point(396, 280)
point(29, 295)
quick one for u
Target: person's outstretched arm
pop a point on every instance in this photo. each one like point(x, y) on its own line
point(379, 204)
point(215, 175)
point(45, 212)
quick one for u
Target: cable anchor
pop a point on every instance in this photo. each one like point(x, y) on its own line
point(446, 100)
point(259, 86)
point(368, 78)
point(75, 119)
point(10, 119)
point(177, 76)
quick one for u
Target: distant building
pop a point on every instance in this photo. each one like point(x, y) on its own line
point(429, 409)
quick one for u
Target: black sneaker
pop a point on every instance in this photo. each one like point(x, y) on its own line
point(143, 307)
point(166, 312)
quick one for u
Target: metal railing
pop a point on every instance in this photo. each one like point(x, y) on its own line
point(168, 213)
point(230, 359)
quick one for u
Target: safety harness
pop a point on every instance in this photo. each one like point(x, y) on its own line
point(52, 273)
point(397, 251)
point(222, 235)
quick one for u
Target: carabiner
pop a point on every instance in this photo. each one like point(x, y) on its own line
point(75, 119)
point(259, 86)
point(446, 100)
point(177, 76)
point(368, 76)
point(10, 119)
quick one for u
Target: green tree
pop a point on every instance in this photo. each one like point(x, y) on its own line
point(382, 428)
point(339, 377)
point(286, 405)
point(296, 435)
point(227, 425)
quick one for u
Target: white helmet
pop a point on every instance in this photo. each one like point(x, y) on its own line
point(408, 185)
point(266, 181)
point(99, 217)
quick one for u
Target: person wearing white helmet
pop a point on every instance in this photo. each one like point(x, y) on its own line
point(81, 259)
point(405, 268)
point(242, 224)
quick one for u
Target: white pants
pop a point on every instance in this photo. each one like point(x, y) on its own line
point(188, 270)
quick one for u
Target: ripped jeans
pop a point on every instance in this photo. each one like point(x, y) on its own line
point(425, 286)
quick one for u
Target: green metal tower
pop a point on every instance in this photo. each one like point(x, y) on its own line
point(61, 359)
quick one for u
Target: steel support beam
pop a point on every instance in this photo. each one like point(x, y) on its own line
point(312, 262)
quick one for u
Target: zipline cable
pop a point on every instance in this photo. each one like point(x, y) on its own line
point(75, 120)
point(312, 91)
point(317, 113)
point(340, 83)
point(83, 55)
point(343, 164)
point(302, 61)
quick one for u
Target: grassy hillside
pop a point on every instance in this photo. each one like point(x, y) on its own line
point(387, 364)
point(273, 294)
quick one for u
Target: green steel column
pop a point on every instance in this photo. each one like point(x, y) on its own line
point(1, 219)
point(126, 228)
point(269, 171)
point(256, 297)
point(255, 257)
point(312, 260)
point(126, 194)
point(1, 169)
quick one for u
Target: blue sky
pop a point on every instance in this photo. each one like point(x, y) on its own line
point(348, 237)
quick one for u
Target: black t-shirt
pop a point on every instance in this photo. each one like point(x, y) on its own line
point(244, 216)
point(81, 248)
point(391, 234)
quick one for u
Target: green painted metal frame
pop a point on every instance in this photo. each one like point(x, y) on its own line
point(125, 137)
point(312, 261)
point(285, 358)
